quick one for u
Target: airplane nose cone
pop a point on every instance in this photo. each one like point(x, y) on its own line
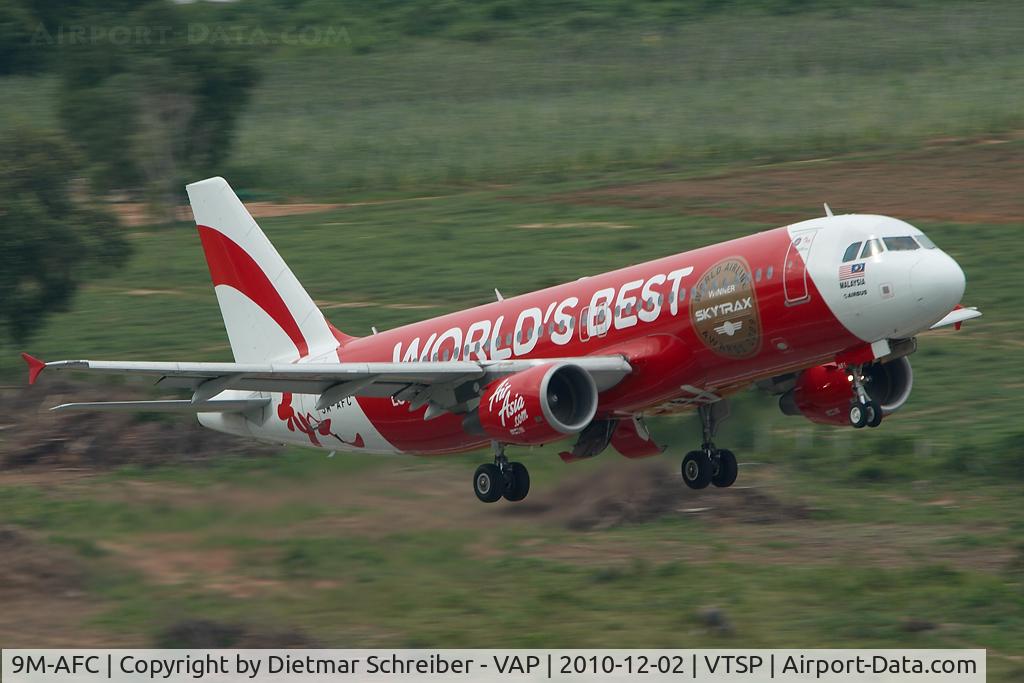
point(938, 283)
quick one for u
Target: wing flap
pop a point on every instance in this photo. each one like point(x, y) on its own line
point(170, 406)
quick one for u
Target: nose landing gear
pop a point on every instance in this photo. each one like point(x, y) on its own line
point(864, 410)
point(710, 465)
point(492, 481)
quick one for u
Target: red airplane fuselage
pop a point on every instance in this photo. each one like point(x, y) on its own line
point(663, 316)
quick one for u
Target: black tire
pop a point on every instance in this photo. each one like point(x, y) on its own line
point(488, 483)
point(858, 415)
point(518, 484)
point(724, 475)
point(696, 469)
point(875, 414)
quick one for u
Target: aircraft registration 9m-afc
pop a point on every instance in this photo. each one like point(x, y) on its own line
point(822, 313)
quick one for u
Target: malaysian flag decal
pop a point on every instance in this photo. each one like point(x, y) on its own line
point(851, 270)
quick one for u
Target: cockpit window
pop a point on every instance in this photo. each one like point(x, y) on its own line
point(900, 243)
point(872, 248)
point(851, 252)
point(925, 242)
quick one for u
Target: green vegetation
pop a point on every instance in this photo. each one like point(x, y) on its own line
point(51, 241)
point(680, 96)
point(334, 554)
point(460, 136)
point(183, 99)
point(565, 92)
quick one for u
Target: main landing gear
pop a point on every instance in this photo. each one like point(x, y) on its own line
point(502, 478)
point(710, 465)
point(864, 410)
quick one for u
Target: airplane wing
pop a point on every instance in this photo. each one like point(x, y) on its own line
point(445, 384)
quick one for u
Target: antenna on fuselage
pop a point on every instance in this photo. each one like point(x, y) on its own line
point(373, 329)
point(828, 211)
point(498, 294)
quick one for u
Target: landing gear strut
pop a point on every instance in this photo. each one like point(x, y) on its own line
point(710, 465)
point(864, 410)
point(502, 478)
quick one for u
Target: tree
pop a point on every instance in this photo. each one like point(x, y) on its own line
point(52, 240)
point(153, 112)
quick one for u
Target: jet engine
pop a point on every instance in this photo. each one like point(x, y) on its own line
point(823, 393)
point(536, 406)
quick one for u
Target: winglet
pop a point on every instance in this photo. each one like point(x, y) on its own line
point(35, 366)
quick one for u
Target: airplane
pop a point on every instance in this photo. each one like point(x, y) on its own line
point(822, 313)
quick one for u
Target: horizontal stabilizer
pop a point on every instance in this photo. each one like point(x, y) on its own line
point(214, 406)
point(957, 317)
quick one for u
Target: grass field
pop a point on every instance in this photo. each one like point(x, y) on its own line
point(553, 104)
point(518, 162)
point(910, 535)
point(684, 95)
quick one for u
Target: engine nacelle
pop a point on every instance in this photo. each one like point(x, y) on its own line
point(823, 393)
point(536, 406)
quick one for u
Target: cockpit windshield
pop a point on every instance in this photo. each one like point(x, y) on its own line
point(925, 242)
point(851, 252)
point(872, 248)
point(875, 246)
point(900, 243)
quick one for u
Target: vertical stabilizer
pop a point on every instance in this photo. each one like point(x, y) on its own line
point(267, 313)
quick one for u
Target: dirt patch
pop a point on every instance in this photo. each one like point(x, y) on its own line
point(176, 559)
point(35, 437)
point(154, 292)
point(135, 214)
point(42, 595)
point(632, 493)
point(31, 567)
point(562, 226)
point(207, 633)
point(329, 305)
point(969, 183)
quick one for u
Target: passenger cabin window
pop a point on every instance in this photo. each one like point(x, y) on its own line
point(900, 243)
point(851, 252)
point(872, 248)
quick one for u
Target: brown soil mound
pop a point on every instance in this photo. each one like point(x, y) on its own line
point(970, 183)
point(632, 493)
point(34, 436)
point(28, 567)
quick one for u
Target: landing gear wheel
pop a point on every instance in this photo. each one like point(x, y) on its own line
point(874, 411)
point(724, 469)
point(488, 483)
point(697, 469)
point(858, 415)
point(518, 482)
